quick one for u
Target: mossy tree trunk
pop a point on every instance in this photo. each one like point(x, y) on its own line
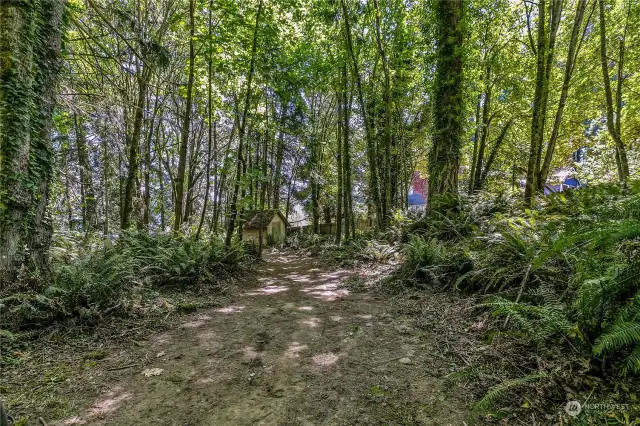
point(444, 158)
point(30, 38)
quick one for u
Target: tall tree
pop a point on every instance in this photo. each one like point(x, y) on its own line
point(30, 40)
point(233, 206)
point(374, 186)
point(613, 115)
point(448, 101)
point(186, 123)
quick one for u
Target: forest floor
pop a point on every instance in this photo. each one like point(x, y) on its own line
point(299, 347)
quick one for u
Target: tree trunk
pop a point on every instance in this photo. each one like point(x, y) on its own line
point(346, 160)
point(184, 136)
point(263, 177)
point(537, 119)
point(277, 177)
point(476, 142)
point(133, 142)
point(374, 186)
point(621, 153)
point(444, 158)
point(386, 183)
point(545, 54)
point(484, 133)
point(233, 206)
point(492, 155)
point(87, 194)
point(572, 54)
point(340, 196)
point(30, 39)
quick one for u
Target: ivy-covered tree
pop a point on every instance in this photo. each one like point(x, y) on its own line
point(30, 48)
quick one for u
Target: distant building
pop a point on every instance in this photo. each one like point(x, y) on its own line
point(273, 223)
point(418, 193)
point(567, 183)
point(417, 202)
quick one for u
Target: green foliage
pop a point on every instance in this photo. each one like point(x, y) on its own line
point(101, 281)
point(501, 390)
point(562, 279)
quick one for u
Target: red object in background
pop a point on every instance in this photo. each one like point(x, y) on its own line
point(419, 184)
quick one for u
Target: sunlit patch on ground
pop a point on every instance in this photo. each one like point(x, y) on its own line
point(305, 308)
point(270, 289)
point(311, 322)
point(325, 360)
point(230, 309)
point(75, 421)
point(327, 292)
point(294, 349)
point(109, 401)
point(300, 278)
point(198, 322)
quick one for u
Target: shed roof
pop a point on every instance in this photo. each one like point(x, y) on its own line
point(253, 218)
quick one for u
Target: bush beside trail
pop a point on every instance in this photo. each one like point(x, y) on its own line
point(562, 281)
point(90, 281)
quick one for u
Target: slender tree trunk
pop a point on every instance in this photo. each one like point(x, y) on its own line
point(184, 139)
point(207, 186)
point(537, 119)
point(476, 142)
point(340, 197)
point(146, 217)
point(621, 153)
point(545, 55)
point(386, 184)
point(133, 146)
point(105, 183)
point(493, 154)
point(277, 177)
point(263, 178)
point(484, 133)
point(88, 199)
point(346, 160)
point(233, 206)
point(374, 185)
point(444, 158)
point(292, 181)
point(572, 54)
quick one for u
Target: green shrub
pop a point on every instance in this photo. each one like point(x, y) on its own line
point(563, 279)
point(102, 281)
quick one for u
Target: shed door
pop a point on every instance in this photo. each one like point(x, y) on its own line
point(277, 231)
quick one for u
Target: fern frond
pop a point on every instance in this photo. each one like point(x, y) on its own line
point(499, 391)
point(633, 362)
point(619, 335)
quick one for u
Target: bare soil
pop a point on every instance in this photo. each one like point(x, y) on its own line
point(300, 348)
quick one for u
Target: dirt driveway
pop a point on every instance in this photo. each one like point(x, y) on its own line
point(299, 349)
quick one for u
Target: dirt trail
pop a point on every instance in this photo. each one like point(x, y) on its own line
point(299, 349)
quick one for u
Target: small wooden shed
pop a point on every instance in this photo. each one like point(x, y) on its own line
point(274, 226)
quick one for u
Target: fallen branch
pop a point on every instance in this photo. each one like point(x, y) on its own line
point(123, 367)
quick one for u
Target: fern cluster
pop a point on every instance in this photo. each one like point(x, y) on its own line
point(100, 281)
point(564, 275)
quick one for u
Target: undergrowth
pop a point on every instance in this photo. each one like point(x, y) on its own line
point(94, 280)
point(562, 281)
